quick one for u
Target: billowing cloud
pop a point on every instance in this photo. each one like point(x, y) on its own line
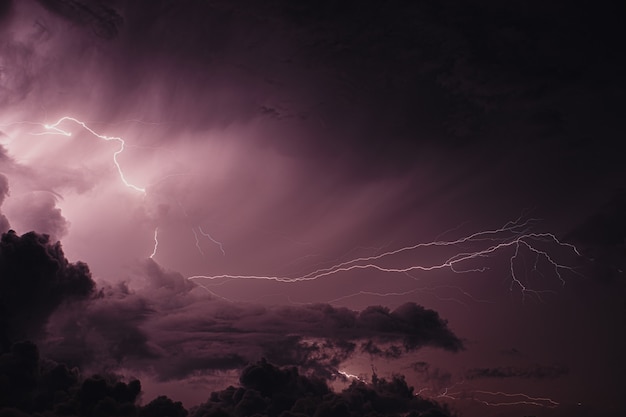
point(268, 390)
point(38, 211)
point(176, 329)
point(35, 279)
point(32, 384)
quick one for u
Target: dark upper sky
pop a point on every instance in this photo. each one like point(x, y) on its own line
point(275, 138)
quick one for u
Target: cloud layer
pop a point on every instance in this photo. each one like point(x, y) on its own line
point(176, 329)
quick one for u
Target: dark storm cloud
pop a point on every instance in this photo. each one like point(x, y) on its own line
point(268, 390)
point(437, 378)
point(602, 237)
point(511, 352)
point(17, 77)
point(386, 80)
point(529, 372)
point(176, 329)
point(35, 279)
point(102, 19)
point(32, 385)
point(5, 9)
point(4, 191)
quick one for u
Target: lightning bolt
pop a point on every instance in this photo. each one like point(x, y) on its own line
point(493, 398)
point(202, 232)
point(349, 376)
point(156, 243)
point(413, 291)
point(55, 129)
point(516, 399)
point(514, 234)
point(205, 234)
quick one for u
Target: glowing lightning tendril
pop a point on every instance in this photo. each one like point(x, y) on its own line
point(156, 243)
point(54, 129)
point(513, 234)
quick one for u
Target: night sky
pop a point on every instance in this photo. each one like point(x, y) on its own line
point(382, 194)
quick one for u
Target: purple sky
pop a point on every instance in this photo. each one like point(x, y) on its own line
point(274, 139)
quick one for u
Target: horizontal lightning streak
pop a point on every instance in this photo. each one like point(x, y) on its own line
point(516, 236)
point(525, 399)
point(508, 399)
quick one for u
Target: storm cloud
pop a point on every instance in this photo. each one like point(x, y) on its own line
point(177, 328)
point(35, 280)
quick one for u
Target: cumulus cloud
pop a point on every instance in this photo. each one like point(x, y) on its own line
point(32, 384)
point(268, 390)
point(38, 211)
point(171, 327)
point(35, 280)
point(176, 329)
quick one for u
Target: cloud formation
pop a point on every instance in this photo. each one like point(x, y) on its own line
point(177, 329)
point(35, 280)
point(31, 384)
point(171, 327)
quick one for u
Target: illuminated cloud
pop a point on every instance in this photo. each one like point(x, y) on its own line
point(176, 329)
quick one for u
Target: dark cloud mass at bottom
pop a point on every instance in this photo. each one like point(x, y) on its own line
point(172, 330)
point(176, 329)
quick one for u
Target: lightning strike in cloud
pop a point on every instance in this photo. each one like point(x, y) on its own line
point(349, 376)
point(203, 233)
point(514, 234)
point(156, 243)
point(55, 129)
point(489, 398)
point(195, 235)
point(515, 399)
point(430, 290)
point(219, 244)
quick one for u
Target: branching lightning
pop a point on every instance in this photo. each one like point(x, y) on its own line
point(54, 129)
point(515, 399)
point(490, 398)
point(514, 234)
point(205, 234)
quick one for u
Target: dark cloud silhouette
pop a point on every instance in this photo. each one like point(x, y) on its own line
point(176, 329)
point(268, 390)
point(529, 372)
point(5, 8)
point(35, 279)
point(102, 19)
point(4, 191)
point(29, 384)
